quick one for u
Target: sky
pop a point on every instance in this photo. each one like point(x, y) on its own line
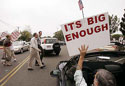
point(48, 15)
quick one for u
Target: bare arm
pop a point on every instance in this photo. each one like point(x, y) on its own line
point(82, 51)
point(78, 76)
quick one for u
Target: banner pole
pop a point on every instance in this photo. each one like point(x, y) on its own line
point(82, 13)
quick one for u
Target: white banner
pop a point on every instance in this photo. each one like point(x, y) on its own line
point(92, 31)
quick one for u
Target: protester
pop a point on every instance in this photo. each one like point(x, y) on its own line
point(102, 77)
point(41, 53)
point(34, 52)
point(6, 46)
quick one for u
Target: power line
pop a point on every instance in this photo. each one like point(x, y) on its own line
point(7, 24)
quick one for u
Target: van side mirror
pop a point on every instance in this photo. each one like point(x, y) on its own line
point(55, 73)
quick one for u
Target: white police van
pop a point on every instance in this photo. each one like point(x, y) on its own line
point(50, 45)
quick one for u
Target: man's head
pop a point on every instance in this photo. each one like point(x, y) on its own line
point(104, 78)
point(8, 37)
point(35, 35)
point(40, 33)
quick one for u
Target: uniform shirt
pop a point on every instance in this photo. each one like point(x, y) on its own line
point(34, 44)
point(79, 79)
point(39, 41)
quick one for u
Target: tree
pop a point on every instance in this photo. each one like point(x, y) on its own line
point(113, 23)
point(59, 35)
point(46, 37)
point(25, 35)
point(122, 24)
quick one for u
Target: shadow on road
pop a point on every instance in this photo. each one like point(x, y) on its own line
point(51, 55)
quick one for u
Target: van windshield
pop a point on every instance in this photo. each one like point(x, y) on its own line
point(50, 41)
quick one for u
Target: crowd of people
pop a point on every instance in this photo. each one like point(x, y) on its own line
point(36, 51)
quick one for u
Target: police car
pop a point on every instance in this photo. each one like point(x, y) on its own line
point(50, 45)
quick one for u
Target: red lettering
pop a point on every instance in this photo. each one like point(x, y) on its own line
point(82, 33)
point(101, 17)
point(90, 20)
point(75, 35)
point(97, 29)
point(105, 27)
point(89, 33)
point(68, 37)
point(78, 23)
point(66, 28)
point(96, 19)
point(71, 25)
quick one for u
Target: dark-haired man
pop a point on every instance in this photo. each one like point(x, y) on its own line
point(34, 52)
point(40, 47)
point(6, 46)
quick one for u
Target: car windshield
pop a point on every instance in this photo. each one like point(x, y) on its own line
point(50, 41)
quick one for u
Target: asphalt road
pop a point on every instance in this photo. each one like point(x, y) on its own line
point(18, 75)
point(38, 77)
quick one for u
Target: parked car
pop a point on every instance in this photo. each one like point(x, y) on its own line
point(50, 45)
point(108, 60)
point(114, 46)
point(1, 42)
point(20, 46)
point(111, 47)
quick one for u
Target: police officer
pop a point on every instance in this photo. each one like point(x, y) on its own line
point(39, 46)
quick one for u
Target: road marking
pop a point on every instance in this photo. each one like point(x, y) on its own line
point(119, 59)
point(13, 70)
point(14, 73)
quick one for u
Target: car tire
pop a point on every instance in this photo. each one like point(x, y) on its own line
point(56, 48)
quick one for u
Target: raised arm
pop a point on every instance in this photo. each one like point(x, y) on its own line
point(82, 51)
point(78, 77)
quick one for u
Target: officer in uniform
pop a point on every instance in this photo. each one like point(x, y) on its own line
point(39, 46)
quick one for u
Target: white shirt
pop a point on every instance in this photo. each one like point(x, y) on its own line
point(34, 44)
point(11, 47)
point(79, 79)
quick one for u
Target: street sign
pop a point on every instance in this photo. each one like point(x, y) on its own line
point(92, 31)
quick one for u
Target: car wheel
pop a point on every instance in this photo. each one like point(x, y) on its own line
point(21, 51)
point(56, 48)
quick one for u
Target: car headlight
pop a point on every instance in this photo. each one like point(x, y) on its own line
point(16, 49)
